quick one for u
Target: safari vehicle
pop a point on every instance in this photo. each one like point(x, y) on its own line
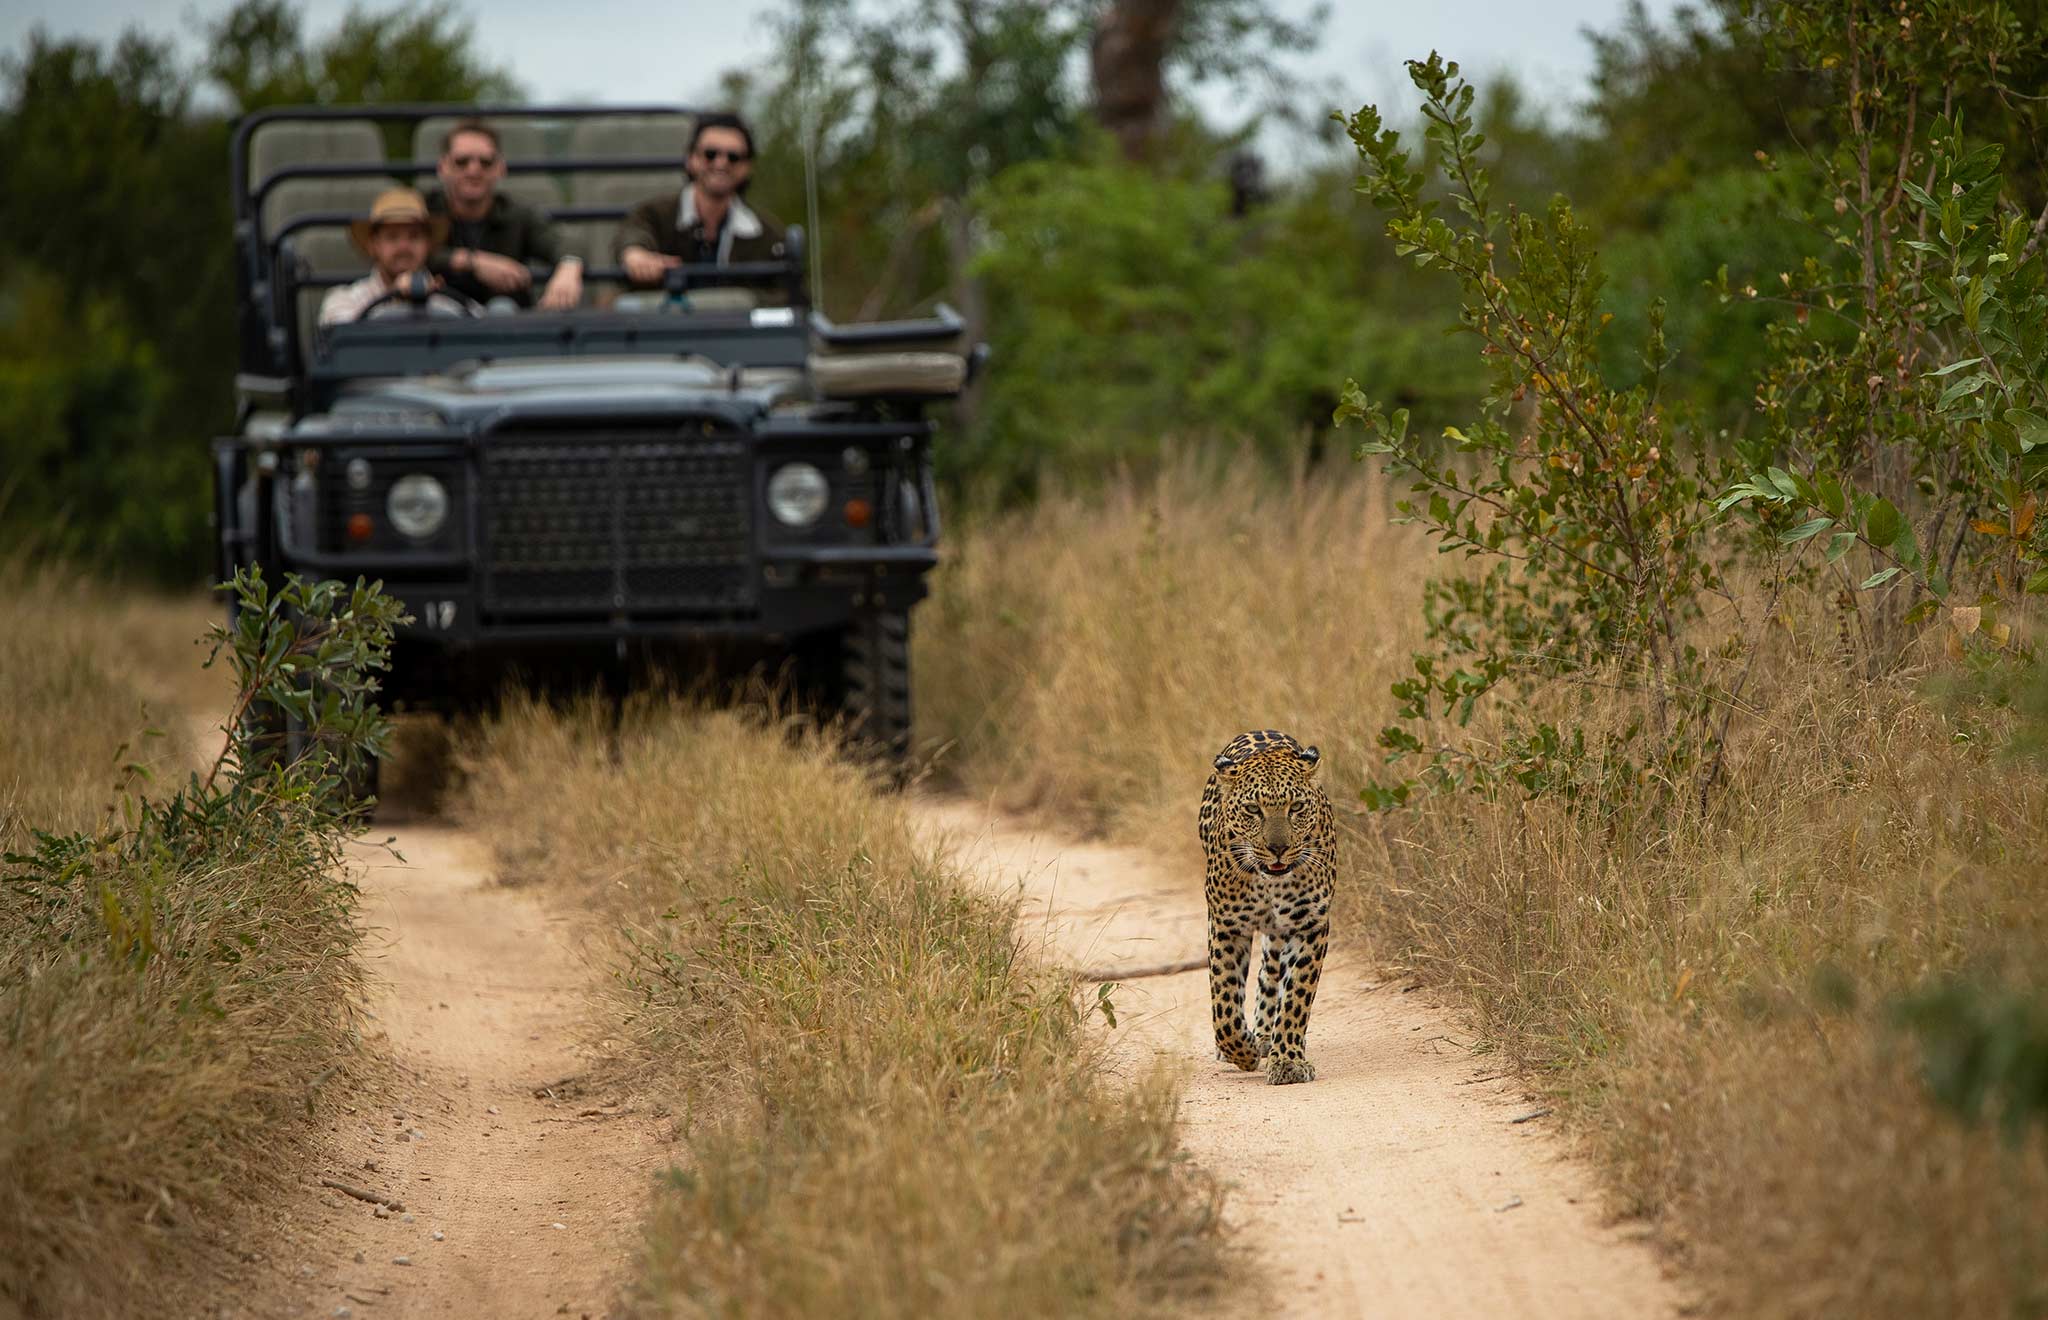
point(712, 473)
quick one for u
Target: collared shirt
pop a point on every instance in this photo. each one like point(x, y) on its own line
point(509, 228)
point(346, 302)
point(703, 248)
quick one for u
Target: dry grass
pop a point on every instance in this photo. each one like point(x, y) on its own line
point(161, 1028)
point(885, 1111)
point(1090, 657)
point(1708, 996)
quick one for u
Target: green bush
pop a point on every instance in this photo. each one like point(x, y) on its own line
point(1133, 310)
point(99, 471)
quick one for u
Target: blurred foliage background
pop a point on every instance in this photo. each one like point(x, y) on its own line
point(1144, 278)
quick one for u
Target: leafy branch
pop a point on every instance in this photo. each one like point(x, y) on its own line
point(1569, 492)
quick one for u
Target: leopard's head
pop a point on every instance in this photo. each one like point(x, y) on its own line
point(1270, 801)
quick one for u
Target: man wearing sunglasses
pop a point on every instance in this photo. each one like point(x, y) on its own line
point(708, 224)
point(491, 238)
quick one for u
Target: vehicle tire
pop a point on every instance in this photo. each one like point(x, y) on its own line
point(875, 687)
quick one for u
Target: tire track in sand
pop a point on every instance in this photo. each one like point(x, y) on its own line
point(536, 1188)
point(1395, 1185)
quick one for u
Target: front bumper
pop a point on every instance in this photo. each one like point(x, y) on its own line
point(659, 533)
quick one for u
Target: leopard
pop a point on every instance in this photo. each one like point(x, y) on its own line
point(1269, 837)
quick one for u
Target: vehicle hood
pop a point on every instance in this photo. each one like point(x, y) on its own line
point(486, 396)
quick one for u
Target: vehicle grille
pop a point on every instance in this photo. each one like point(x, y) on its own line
point(617, 524)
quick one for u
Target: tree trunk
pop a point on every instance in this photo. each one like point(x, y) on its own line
point(1127, 64)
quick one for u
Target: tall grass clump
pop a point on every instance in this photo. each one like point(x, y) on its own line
point(175, 963)
point(886, 1108)
point(1726, 1001)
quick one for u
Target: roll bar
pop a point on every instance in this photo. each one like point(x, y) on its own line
point(247, 201)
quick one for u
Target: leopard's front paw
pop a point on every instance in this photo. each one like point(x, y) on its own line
point(1286, 1072)
point(1240, 1053)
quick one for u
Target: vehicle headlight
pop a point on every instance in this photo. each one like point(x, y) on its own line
point(418, 505)
point(797, 494)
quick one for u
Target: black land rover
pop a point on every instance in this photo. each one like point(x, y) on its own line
point(712, 472)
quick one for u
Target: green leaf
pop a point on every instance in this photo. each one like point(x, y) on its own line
point(2032, 427)
point(1884, 523)
point(1351, 403)
point(1831, 497)
point(1806, 531)
point(1968, 385)
point(2038, 584)
point(1782, 479)
point(1878, 579)
point(1741, 493)
point(1838, 545)
point(1955, 367)
point(1907, 548)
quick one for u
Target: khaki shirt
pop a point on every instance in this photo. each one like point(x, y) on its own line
point(346, 302)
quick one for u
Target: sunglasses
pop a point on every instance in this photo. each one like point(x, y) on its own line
point(464, 162)
point(716, 154)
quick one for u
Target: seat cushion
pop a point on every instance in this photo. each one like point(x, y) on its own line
point(275, 146)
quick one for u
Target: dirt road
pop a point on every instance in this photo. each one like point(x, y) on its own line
point(1399, 1183)
point(522, 1193)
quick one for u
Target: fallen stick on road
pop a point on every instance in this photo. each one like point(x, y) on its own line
point(372, 1197)
point(1149, 969)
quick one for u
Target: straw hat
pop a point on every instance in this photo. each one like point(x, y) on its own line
point(398, 206)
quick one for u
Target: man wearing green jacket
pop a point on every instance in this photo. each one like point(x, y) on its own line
point(709, 224)
point(491, 237)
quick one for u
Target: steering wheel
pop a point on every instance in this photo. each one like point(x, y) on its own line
point(419, 290)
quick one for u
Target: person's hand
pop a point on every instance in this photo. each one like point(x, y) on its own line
point(645, 267)
point(499, 274)
point(565, 287)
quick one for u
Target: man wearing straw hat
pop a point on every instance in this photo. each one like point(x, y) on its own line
point(396, 236)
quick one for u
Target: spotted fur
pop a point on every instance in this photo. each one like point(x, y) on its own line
point(1271, 843)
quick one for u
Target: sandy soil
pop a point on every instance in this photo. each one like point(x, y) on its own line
point(1399, 1183)
point(523, 1191)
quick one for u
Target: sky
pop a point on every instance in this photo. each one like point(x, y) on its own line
point(628, 50)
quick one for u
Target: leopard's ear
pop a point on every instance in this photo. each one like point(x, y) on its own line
point(1225, 767)
point(1312, 758)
